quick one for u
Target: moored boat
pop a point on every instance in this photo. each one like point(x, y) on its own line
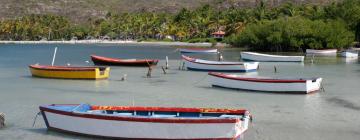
point(100, 60)
point(350, 54)
point(331, 52)
point(160, 123)
point(206, 65)
point(270, 58)
point(67, 72)
point(292, 85)
point(198, 50)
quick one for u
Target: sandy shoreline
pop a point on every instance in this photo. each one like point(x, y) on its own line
point(205, 44)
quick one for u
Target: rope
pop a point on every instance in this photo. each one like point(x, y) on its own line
point(2, 120)
point(37, 114)
point(322, 87)
point(176, 50)
point(202, 79)
point(148, 62)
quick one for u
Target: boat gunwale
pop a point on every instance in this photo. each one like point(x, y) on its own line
point(146, 119)
point(64, 68)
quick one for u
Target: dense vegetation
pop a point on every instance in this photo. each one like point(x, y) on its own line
point(288, 27)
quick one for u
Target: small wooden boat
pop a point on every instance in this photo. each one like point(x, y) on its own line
point(331, 52)
point(66, 72)
point(198, 50)
point(206, 65)
point(350, 54)
point(270, 58)
point(160, 123)
point(100, 60)
point(300, 85)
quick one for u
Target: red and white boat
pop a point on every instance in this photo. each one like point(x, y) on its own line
point(198, 50)
point(206, 65)
point(100, 60)
point(155, 123)
point(293, 85)
point(331, 52)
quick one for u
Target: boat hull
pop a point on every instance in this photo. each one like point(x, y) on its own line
point(270, 58)
point(328, 52)
point(127, 128)
point(286, 86)
point(90, 74)
point(219, 66)
point(99, 60)
point(350, 54)
point(198, 50)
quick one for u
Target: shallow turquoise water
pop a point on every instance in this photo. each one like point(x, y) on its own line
point(333, 114)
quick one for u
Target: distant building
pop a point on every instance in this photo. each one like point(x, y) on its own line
point(218, 34)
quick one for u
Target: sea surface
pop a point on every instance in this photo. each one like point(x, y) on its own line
point(333, 114)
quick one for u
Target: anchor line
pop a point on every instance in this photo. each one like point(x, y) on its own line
point(37, 114)
point(202, 79)
point(322, 87)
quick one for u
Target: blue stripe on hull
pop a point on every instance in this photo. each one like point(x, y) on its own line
point(195, 69)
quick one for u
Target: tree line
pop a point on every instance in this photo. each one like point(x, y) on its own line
point(288, 27)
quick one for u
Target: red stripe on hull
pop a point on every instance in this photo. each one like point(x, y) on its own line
point(100, 60)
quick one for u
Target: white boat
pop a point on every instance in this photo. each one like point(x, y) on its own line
point(301, 85)
point(330, 52)
point(270, 58)
point(158, 123)
point(350, 54)
point(206, 65)
point(198, 50)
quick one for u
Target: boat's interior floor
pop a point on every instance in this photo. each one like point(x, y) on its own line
point(86, 109)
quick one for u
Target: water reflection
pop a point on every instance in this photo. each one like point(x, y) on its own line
point(101, 84)
point(312, 109)
point(350, 60)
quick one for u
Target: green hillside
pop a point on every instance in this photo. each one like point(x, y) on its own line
point(81, 10)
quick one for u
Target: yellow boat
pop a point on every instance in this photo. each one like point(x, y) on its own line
point(66, 72)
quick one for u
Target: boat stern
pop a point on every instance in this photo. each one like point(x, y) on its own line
point(251, 66)
point(102, 72)
point(313, 85)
